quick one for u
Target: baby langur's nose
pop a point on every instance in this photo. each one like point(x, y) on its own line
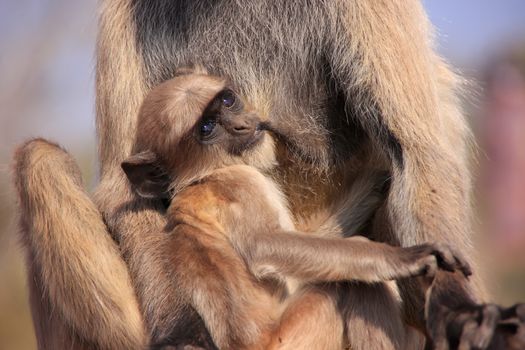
point(242, 125)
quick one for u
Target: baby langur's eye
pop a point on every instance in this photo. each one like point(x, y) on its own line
point(207, 126)
point(228, 98)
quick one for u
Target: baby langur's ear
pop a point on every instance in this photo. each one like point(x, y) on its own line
point(146, 175)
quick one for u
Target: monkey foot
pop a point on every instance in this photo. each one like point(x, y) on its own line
point(487, 326)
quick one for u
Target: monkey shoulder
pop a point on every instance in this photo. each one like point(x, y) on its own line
point(237, 197)
point(255, 196)
point(240, 183)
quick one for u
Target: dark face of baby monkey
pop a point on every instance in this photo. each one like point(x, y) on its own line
point(189, 126)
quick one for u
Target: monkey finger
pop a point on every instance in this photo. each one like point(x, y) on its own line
point(512, 325)
point(445, 258)
point(483, 335)
point(466, 339)
point(477, 327)
point(430, 269)
point(450, 260)
point(463, 265)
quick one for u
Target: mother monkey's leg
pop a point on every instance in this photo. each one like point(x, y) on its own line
point(80, 288)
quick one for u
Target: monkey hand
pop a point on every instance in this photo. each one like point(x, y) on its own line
point(454, 321)
point(427, 259)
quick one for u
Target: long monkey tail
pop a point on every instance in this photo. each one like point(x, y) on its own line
point(80, 289)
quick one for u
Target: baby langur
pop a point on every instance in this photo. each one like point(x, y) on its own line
point(230, 241)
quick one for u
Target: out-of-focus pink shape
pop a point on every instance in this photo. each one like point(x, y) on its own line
point(504, 136)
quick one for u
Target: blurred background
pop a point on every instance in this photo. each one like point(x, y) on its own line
point(47, 89)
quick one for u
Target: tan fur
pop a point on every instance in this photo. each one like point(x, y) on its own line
point(227, 206)
point(97, 307)
point(117, 62)
point(315, 69)
point(312, 320)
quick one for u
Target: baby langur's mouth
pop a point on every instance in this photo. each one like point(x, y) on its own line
point(247, 138)
point(257, 135)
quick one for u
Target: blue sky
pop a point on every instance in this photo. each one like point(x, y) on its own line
point(471, 30)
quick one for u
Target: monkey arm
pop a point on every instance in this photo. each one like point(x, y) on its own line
point(80, 289)
point(318, 259)
point(412, 113)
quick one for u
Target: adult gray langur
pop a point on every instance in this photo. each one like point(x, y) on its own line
point(343, 82)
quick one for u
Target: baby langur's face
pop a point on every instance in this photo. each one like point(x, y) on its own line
point(226, 123)
point(190, 126)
